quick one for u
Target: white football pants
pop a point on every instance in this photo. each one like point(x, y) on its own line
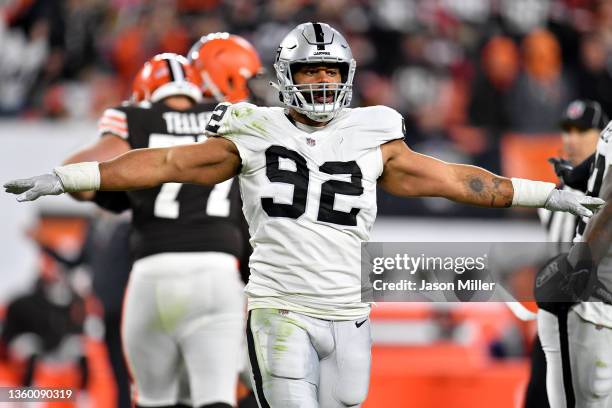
point(299, 361)
point(579, 361)
point(184, 312)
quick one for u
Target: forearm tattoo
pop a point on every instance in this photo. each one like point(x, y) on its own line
point(488, 190)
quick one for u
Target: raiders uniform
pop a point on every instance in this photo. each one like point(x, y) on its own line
point(578, 343)
point(184, 305)
point(597, 312)
point(310, 200)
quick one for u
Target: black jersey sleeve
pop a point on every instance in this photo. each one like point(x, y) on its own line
point(114, 201)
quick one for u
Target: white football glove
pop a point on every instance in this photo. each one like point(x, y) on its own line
point(577, 204)
point(31, 188)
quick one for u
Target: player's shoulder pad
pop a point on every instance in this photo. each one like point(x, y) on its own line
point(115, 121)
point(233, 119)
point(384, 123)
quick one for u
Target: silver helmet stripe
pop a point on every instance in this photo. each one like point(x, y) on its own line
point(170, 71)
point(176, 70)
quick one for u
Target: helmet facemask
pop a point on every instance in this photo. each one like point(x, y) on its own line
point(318, 101)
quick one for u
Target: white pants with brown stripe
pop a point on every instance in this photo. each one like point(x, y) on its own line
point(579, 361)
point(299, 361)
point(183, 328)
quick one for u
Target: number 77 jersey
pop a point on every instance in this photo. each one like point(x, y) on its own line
point(175, 217)
point(309, 196)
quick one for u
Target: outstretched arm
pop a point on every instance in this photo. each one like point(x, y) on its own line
point(206, 163)
point(410, 174)
point(105, 148)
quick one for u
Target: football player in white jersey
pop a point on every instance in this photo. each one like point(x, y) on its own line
point(577, 336)
point(308, 175)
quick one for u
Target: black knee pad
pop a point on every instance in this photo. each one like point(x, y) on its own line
point(216, 405)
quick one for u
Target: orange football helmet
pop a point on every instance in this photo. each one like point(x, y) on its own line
point(166, 75)
point(226, 62)
point(138, 88)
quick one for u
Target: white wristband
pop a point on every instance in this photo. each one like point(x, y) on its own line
point(79, 176)
point(530, 193)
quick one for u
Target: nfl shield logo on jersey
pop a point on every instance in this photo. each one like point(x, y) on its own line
point(310, 141)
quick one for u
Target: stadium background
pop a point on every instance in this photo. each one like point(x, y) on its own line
point(478, 81)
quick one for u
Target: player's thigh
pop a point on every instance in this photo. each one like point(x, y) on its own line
point(211, 331)
point(345, 373)
point(548, 331)
point(151, 354)
point(284, 363)
point(591, 361)
point(212, 353)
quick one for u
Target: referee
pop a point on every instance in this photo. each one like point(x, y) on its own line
point(581, 124)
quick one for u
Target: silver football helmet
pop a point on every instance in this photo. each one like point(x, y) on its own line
point(315, 43)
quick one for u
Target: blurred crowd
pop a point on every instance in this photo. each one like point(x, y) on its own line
point(462, 73)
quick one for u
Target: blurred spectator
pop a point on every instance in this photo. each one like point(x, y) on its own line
point(397, 15)
point(488, 109)
point(499, 69)
point(202, 6)
point(542, 90)
point(524, 16)
point(604, 21)
point(105, 255)
point(83, 22)
point(46, 324)
point(595, 72)
point(24, 55)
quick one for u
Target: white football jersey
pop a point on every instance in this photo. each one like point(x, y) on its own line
point(310, 200)
point(599, 312)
